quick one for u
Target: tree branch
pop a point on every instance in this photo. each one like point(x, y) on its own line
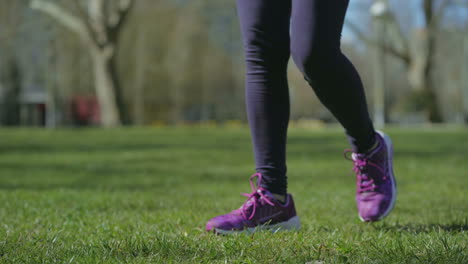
point(401, 41)
point(86, 21)
point(62, 16)
point(120, 15)
point(440, 11)
point(97, 15)
point(403, 55)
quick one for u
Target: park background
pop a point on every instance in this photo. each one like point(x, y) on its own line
point(123, 130)
point(166, 62)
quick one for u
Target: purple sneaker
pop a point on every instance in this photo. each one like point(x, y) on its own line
point(376, 185)
point(260, 211)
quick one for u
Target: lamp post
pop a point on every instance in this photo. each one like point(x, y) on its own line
point(379, 12)
point(464, 81)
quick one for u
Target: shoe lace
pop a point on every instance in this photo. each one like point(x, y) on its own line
point(255, 197)
point(362, 162)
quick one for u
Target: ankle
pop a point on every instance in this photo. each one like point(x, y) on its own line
point(280, 197)
point(373, 147)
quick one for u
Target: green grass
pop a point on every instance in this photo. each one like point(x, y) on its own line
point(144, 194)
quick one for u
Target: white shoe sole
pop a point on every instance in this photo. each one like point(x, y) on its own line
point(292, 224)
point(388, 143)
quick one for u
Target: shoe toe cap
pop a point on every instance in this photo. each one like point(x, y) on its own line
point(373, 210)
point(225, 222)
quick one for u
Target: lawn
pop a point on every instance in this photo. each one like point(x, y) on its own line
point(143, 195)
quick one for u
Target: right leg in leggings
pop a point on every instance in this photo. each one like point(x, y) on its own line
point(265, 31)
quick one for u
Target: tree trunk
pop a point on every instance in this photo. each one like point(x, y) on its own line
point(464, 80)
point(11, 105)
point(421, 66)
point(423, 95)
point(121, 105)
point(139, 80)
point(105, 85)
point(379, 75)
point(432, 109)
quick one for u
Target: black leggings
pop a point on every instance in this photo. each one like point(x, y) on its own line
point(310, 31)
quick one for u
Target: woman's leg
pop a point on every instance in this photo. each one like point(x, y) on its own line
point(316, 33)
point(265, 31)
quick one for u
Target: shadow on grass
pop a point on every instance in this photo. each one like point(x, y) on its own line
point(323, 146)
point(425, 228)
point(79, 148)
point(83, 187)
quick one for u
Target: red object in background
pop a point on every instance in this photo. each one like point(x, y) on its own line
point(85, 110)
point(42, 113)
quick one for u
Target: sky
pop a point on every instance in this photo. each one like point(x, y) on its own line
point(406, 10)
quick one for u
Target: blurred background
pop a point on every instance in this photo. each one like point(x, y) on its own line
point(165, 62)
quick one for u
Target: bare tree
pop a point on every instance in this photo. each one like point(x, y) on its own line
point(99, 24)
point(417, 53)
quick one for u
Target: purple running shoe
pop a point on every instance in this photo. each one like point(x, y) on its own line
point(376, 186)
point(261, 211)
